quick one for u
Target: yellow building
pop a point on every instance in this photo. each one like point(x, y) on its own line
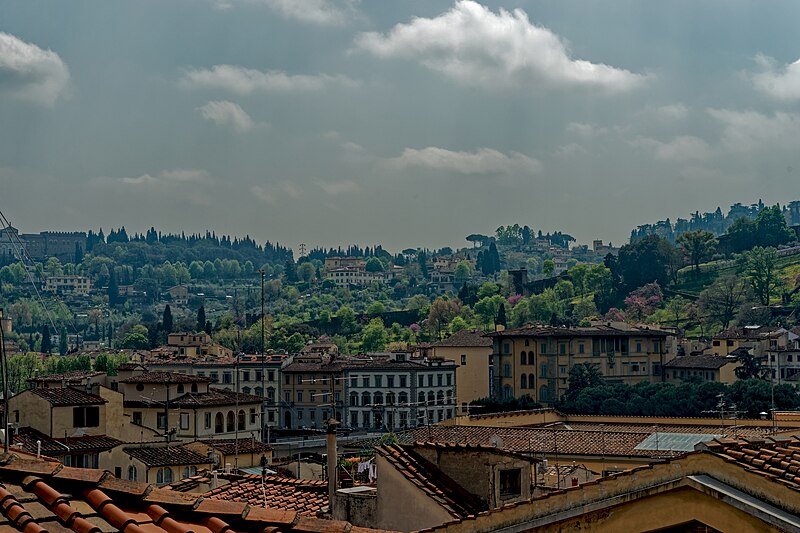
point(758, 339)
point(472, 352)
point(701, 367)
point(536, 360)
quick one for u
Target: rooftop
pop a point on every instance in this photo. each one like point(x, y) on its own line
point(66, 396)
point(711, 362)
point(778, 460)
point(467, 338)
point(303, 496)
point(214, 397)
point(166, 455)
point(165, 377)
point(40, 495)
point(78, 375)
point(230, 446)
point(599, 330)
point(30, 438)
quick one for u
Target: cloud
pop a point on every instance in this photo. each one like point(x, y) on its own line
point(569, 150)
point(244, 81)
point(678, 149)
point(669, 112)
point(263, 194)
point(744, 131)
point(585, 130)
point(29, 73)
point(176, 176)
point(292, 190)
point(319, 12)
point(780, 83)
point(339, 187)
point(481, 161)
point(475, 46)
point(224, 113)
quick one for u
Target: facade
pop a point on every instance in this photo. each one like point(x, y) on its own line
point(195, 344)
point(9, 245)
point(162, 464)
point(783, 362)
point(60, 244)
point(68, 284)
point(346, 276)
point(757, 339)
point(471, 351)
point(702, 368)
point(536, 360)
point(312, 390)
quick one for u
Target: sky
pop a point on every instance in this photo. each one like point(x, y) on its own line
point(406, 123)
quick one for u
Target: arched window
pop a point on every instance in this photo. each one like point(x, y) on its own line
point(365, 399)
point(229, 421)
point(543, 394)
point(531, 360)
point(440, 398)
point(531, 382)
point(523, 381)
point(403, 398)
point(133, 475)
point(421, 398)
point(523, 358)
point(390, 398)
point(431, 398)
point(189, 471)
point(378, 398)
point(164, 476)
point(353, 399)
point(449, 396)
point(246, 390)
point(507, 393)
point(181, 388)
point(241, 422)
point(194, 387)
point(219, 424)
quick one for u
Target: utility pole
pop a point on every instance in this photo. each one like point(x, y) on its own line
point(302, 249)
point(4, 376)
point(263, 367)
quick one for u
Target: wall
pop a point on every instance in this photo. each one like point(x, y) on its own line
point(34, 411)
point(402, 506)
point(357, 505)
point(472, 379)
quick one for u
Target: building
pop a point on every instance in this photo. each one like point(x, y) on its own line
point(163, 464)
point(60, 244)
point(536, 360)
point(332, 263)
point(312, 389)
point(346, 276)
point(702, 368)
point(195, 344)
point(227, 453)
point(783, 362)
point(179, 294)
point(758, 339)
point(10, 245)
point(725, 485)
point(440, 484)
point(68, 284)
point(472, 352)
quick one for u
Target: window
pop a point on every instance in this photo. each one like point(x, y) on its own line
point(270, 375)
point(379, 381)
point(246, 390)
point(353, 399)
point(287, 379)
point(189, 471)
point(523, 381)
point(527, 342)
point(271, 416)
point(506, 370)
point(543, 371)
point(227, 378)
point(639, 346)
point(270, 393)
point(194, 387)
point(531, 381)
point(184, 420)
point(390, 381)
point(161, 420)
point(354, 382)
point(164, 476)
point(562, 370)
point(299, 379)
point(219, 423)
point(229, 421)
point(523, 358)
point(86, 417)
point(365, 381)
point(562, 349)
point(241, 421)
point(581, 348)
point(252, 415)
point(378, 398)
point(365, 399)
point(449, 380)
point(403, 381)
point(510, 483)
point(214, 376)
point(137, 417)
point(463, 359)
point(656, 346)
point(207, 420)
point(543, 348)
point(354, 419)
point(246, 375)
point(181, 388)
point(421, 398)
point(420, 380)
point(118, 472)
point(403, 398)
point(299, 396)
point(439, 381)
point(133, 475)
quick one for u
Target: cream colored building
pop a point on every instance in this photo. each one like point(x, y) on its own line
point(472, 352)
point(702, 368)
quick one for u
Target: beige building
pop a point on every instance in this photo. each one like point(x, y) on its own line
point(162, 464)
point(472, 352)
point(701, 367)
point(68, 284)
point(757, 339)
point(244, 453)
point(536, 360)
point(195, 345)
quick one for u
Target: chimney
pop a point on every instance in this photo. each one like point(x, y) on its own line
point(330, 439)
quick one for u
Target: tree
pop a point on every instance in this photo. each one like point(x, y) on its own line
point(47, 346)
point(113, 288)
point(741, 235)
point(62, 342)
point(374, 265)
point(422, 260)
point(644, 262)
point(441, 313)
point(462, 272)
point(373, 337)
point(201, 319)
point(166, 320)
point(761, 271)
point(477, 239)
point(676, 308)
point(548, 267)
point(582, 376)
point(290, 271)
point(501, 315)
point(697, 246)
point(722, 299)
point(306, 271)
point(751, 366)
point(487, 309)
point(771, 227)
point(78, 255)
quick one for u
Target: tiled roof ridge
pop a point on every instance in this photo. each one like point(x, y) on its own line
point(428, 478)
point(508, 414)
point(467, 447)
point(66, 396)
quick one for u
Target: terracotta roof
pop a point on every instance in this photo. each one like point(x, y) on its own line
point(68, 396)
point(39, 496)
point(164, 456)
point(27, 438)
point(700, 361)
point(467, 338)
point(165, 377)
point(214, 397)
point(601, 330)
point(778, 460)
point(534, 440)
point(79, 375)
point(427, 477)
point(304, 496)
point(229, 446)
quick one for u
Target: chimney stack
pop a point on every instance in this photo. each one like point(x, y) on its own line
point(330, 439)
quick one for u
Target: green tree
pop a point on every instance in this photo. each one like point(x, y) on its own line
point(376, 308)
point(462, 272)
point(697, 246)
point(741, 235)
point(47, 346)
point(167, 323)
point(374, 337)
point(771, 227)
point(201, 319)
point(374, 265)
point(487, 289)
point(487, 308)
point(63, 348)
point(582, 376)
point(720, 302)
point(113, 289)
point(306, 272)
point(751, 366)
point(457, 324)
point(761, 271)
point(347, 320)
point(548, 267)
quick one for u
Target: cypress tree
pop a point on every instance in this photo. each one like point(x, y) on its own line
point(113, 288)
point(201, 319)
point(47, 346)
point(62, 342)
point(166, 320)
point(501, 316)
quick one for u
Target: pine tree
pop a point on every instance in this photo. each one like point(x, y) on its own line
point(201, 319)
point(47, 346)
point(166, 320)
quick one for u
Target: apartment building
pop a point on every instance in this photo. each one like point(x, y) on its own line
point(68, 284)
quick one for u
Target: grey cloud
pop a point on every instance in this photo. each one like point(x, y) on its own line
point(481, 161)
point(244, 81)
point(29, 73)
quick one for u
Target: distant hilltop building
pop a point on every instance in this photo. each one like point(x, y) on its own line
point(40, 246)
